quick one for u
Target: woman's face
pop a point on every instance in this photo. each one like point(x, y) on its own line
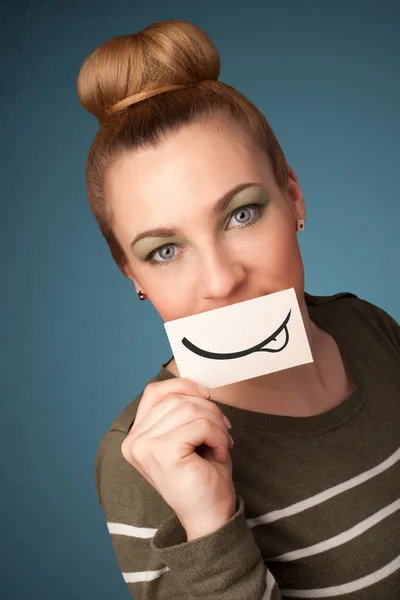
point(189, 250)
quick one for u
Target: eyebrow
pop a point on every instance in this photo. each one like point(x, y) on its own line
point(219, 206)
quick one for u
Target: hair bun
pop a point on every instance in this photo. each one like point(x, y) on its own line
point(165, 53)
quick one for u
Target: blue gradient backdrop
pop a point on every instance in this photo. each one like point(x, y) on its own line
point(77, 345)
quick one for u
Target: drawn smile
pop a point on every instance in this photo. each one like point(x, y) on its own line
point(257, 348)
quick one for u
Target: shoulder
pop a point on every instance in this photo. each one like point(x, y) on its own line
point(125, 419)
point(122, 489)
point(110, 464)
point(124, 494)
point(358, 315)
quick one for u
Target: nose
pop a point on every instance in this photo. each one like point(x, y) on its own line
point(220, 275)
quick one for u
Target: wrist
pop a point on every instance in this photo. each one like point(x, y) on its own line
point(210, 524)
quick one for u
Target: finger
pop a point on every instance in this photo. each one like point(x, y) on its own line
point(177, 411)
point(180, 443)
point(156, 391)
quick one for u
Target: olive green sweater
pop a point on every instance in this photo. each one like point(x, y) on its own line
point(318, 497)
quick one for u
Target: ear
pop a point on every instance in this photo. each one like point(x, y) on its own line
point(295, 195)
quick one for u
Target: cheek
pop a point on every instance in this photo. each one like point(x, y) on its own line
point(171, 298)
point(275, 246)
point(167, 306)
point(276, 258)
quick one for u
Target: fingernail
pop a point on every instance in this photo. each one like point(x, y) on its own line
point(227, 422)
point(231, 439)
point(204, 391)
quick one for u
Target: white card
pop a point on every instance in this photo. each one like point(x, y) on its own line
point(240, 341)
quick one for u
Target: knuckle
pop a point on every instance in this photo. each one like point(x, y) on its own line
point(189, 409)
point(151, 387)
point(127, 451)
point(215, 409)
point(124, 450)
point(138, 451)
point(204, 423)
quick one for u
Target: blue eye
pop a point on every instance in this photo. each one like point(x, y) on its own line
point(244, 216)
point(165, 252)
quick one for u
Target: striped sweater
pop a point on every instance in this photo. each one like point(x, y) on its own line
point(318, 497)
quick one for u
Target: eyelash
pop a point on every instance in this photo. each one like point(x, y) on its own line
point(259, 210)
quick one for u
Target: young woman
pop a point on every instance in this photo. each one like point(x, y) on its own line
point(193, 194)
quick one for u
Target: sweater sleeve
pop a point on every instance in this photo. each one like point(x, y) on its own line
point(151, 547)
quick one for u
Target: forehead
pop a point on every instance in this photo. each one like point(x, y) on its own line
point(185, 174)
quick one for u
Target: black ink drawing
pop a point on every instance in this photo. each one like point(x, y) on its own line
point(258, 348)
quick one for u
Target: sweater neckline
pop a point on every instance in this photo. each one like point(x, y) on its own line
point(328, 420)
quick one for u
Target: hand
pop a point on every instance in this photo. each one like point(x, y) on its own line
point(174, 418)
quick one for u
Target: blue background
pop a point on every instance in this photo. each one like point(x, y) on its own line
point(75, 339)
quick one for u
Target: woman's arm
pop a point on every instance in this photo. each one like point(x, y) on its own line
point(151, 547)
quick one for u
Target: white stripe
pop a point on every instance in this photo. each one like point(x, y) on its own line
point(275, 515)
point(325, 495)
point(131, 531)
point(146, 532)
point(342, 538)
point(346, 588)
point(143, 576)
point(270, 586)
point(140, 576)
